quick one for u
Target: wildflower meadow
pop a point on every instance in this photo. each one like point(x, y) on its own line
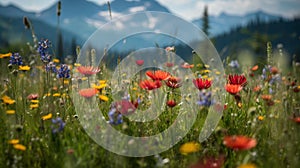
point(54, 112)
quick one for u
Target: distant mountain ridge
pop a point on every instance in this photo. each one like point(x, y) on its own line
point(82, 17)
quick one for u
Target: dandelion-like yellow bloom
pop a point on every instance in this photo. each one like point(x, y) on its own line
point(248, 165)
point(56, 94)
point(33, 106)
point(98, 87)
point(34, 101)
point(13, 141)
point(7, 100)
point(189, 147)
point(20, 147)
point(103, 97)
point(47, 117)
point(66, 82)
point(56, 60)
point(260, 118)
point(10, 111)
point(5, 55)
point(102, 82)
point(24, 68)
point(77, 65)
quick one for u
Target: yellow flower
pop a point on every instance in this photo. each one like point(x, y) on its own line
point(13, 141)
point(20, 147)
point(103, 97)
point(248, 165)
point(5, 55)
point(34, 101)
point(66, 82)
point(135, 88)
point(33, 106)
point(47, 117)
point(77, 65)
point(84, 78)
point(24, 68)
point(56, 94)
point(7, 100)
point(217, 72)
point(189, 147)
point(47, 94)
point(98, 87)
point(56, 60)
point(10, 111)
point(206, 66)
point(205, 71)
point(260, 118)
point(102, 82)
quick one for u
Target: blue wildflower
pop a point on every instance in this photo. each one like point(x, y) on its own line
point(43, 47)
point(57, 125)
point(234, 64)
point(115, 117)
point(205, 99)
point(63, 71)
point(51, 66)
point(16, 59)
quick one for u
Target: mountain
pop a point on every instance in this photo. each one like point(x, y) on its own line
point(225, 22)
point(254, 37)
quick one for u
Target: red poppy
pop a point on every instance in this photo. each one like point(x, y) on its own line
point(210, 162)
point(202, 83)
point(274, 70)
point(171, 103)
point(150, 84)
point(173, 82)
point(139, 62)
point(187, 65)
point(32, 96)
point(237, 80)
point(233, 89)
point(88, 93)
point(158, 75)
point(239, 142)
point(88, 70)
point(125, 107)
point(296, 119)
point(256, 88)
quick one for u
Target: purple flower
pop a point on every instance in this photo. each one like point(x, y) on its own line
point(115, 117)
point(63, 71)
point(16, 59)
point(43, 47)
point(51, 66)
point(205, 99)
point(57, 125)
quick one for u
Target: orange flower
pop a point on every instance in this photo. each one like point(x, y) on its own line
point(202, 83)
point(88, 70)
point(233, 89)
point(237, 80)
point(239, 142)
point(274, 70)
point(256, 88)
point(173, 82)
point(158, 75)
point(255, 68)
point(88, 93)
point(150, 85)
point(266, 97)
point(296, 119)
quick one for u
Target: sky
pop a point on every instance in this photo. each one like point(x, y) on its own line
point(190, 9)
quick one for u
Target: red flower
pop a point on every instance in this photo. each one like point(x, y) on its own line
point(125, 107)
point(150, 84)
point(88, 93)
point(210, 162)
point(266, 97)
point(173, 82)
point(169, 64)
point(88, 70)
point(239, 142)
point(233, 89)
point(296, 119)
point(139, 62)
point(237, 80)
point(202, 83)
point(254, 68)
point(158, 75)
point(171, 103)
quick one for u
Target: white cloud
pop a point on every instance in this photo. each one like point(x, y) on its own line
point(137, 9)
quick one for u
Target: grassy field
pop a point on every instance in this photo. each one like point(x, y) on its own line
point(40, 127)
